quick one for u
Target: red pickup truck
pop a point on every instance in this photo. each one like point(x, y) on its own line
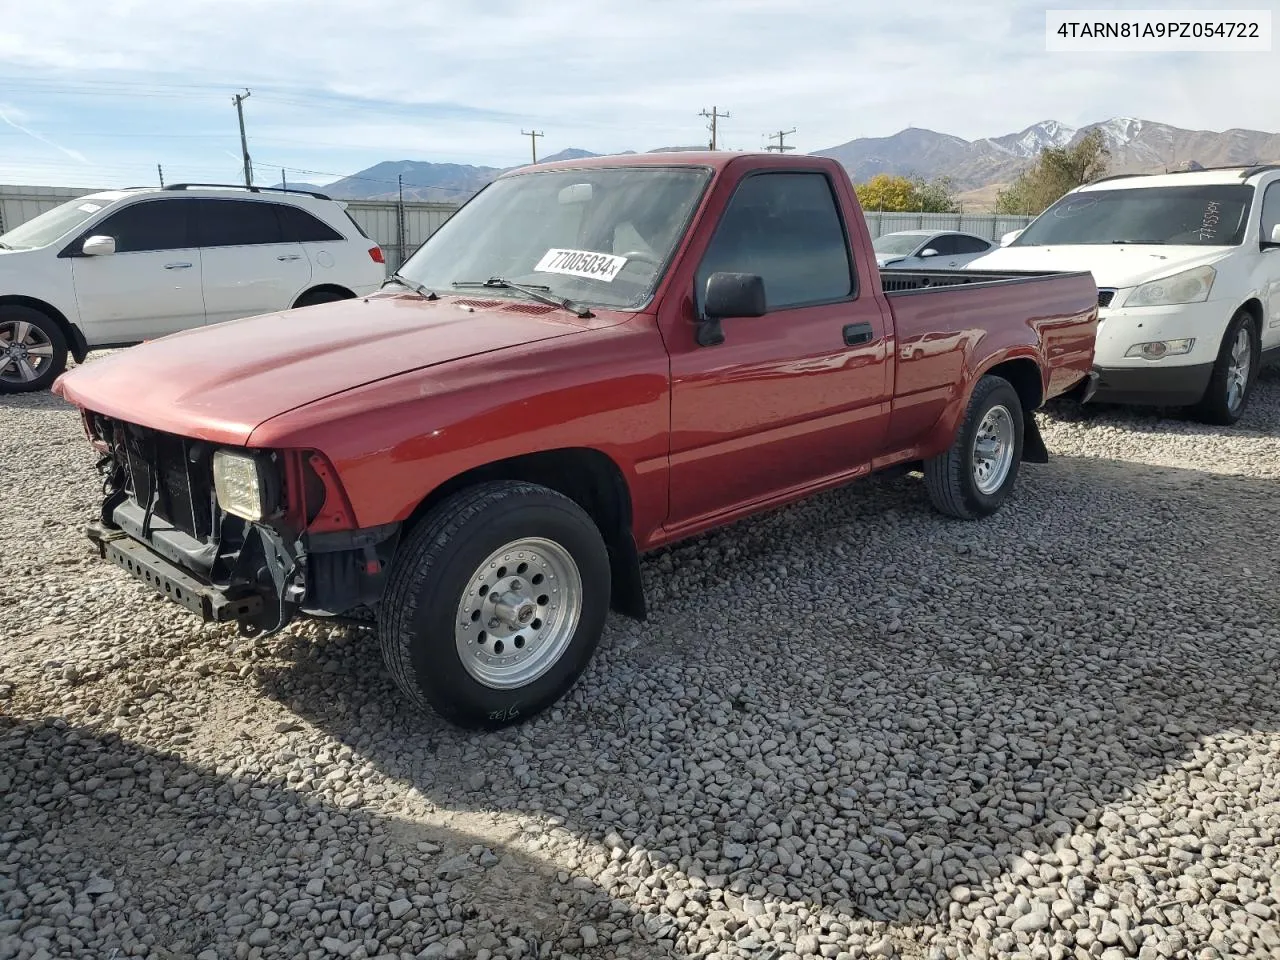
point(589, 360)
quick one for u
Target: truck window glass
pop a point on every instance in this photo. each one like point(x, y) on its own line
point(785, 228)
point(150, 225)
point(1202, 215)
point(512, 228)
point(238, 223)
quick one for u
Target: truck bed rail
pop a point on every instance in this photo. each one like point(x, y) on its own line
point(916, 281)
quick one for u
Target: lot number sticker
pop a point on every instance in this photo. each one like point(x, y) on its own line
point(582, 263)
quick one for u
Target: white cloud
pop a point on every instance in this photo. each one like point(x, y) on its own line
point(449, 81)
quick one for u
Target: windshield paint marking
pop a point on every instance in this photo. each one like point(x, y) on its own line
point(581, 263)
point(1208, 228)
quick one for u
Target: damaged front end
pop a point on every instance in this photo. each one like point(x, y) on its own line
point(240, 536)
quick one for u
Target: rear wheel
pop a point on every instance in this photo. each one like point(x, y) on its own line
point(974, 477)
point(1234, 373)
point(313, 297)
point(33, 350)
point(495, 604)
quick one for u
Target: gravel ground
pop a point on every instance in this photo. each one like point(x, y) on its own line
point(850, 728)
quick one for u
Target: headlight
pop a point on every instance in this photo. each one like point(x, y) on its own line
point(1160, 348)
point(242, 484)
point(1189, 286)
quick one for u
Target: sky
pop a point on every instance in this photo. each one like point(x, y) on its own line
point(338, 85)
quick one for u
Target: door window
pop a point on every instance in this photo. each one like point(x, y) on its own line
point(1270, 211)
point(971, 244)
point(238, 223)
point(148, 225)
point(786, 228)
point(301, 227)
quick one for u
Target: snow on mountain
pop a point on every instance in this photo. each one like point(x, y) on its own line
point(1029, 142)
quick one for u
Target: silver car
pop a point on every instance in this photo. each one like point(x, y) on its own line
point(928, 249)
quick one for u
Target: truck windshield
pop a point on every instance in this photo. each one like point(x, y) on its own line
point(599, 236)
point(51, 225)
point(896, 244)
point(1205, 215)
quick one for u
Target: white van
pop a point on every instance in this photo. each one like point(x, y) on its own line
point(1188, 273)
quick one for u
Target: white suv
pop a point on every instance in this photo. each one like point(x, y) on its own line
point(1188, 274)
point(115, 268)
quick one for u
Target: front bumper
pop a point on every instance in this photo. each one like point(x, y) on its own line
point(212, 603)
point(1152, 385)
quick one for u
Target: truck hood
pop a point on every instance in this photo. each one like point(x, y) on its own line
point(219, 382)
point(1119, 265)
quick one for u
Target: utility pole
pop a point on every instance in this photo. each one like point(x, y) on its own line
point(160, 170)
point(284, 181)
point(714, 115)
point(780, 147)
point(533, 136)
point(239, 100)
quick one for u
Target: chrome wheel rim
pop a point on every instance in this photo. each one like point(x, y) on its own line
point(25, 351)
point(518, 613)
point(1238, 368)
point(993, 450)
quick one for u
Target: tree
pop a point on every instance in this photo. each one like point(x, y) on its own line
point(906, 194)
point(1057, 170)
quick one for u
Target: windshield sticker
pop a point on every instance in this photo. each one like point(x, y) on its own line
point(582, 263)
point(1209, 226)
point(89, 207)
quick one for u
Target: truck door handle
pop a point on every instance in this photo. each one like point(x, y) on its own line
point(855, 333)
point(177, 266)
point(289, 256)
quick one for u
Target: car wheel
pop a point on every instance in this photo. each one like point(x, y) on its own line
point(1234, 373)
point(313, 297)
point(33, 350)
point(495, 604)
point(975, 476)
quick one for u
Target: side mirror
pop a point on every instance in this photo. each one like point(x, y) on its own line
point(928, 252)
point(99, 246)
point(1009, 237)
point(729, 295)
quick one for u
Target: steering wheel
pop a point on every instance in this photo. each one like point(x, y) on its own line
point(642, 257)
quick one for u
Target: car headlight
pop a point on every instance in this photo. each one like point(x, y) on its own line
point(243, 484)
point(1156, 349)
point(1189, 286)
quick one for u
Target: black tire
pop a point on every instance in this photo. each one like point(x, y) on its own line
point(420, 606)
point(1217, 407)
point(44, 333)
point(313, 297)
point(952, 478)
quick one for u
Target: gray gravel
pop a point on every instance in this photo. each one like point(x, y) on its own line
point(850, 729)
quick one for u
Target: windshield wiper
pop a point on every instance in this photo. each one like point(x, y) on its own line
point(417, 288)
point(5, 246)
point(1141, 243)
point(537, 292)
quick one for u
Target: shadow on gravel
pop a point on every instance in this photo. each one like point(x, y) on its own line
point(108, 849)
point(796, 724)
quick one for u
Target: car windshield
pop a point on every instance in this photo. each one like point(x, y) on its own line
point(896, 244)
point(1206, 215)
point(597, 236)
point(52, 224)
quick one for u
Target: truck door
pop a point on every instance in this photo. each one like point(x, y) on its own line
point(791, 398)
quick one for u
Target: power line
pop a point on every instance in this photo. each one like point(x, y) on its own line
point(714, 115)
point(533, 136)
point(244, 143)
point(780, 146)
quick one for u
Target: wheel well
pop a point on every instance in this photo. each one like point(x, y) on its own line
point(1024, 374)
point(75, 341)
point(325, 288)
point(1254, 308)
point(589, 478)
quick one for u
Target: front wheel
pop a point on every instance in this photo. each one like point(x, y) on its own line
point(496, 604)
point(975, 476)
point(33, 350)
point(1234, 373)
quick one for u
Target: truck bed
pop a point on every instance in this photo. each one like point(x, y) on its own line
point(898, 282)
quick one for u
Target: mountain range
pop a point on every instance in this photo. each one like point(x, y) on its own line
point(976, 167)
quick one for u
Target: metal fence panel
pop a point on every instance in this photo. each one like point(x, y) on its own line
point(380, 219)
